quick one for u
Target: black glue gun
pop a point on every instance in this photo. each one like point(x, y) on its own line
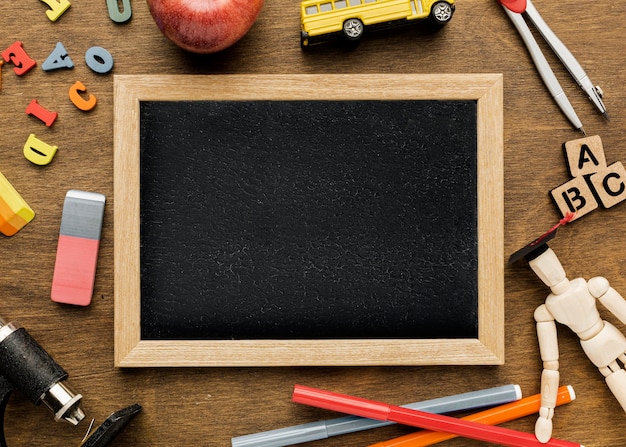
point(26, 366)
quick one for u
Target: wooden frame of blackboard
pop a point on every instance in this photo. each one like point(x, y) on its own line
point(487, 348)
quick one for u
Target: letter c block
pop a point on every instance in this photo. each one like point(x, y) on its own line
point(609, 184)
point(78, 101)
point(38, 152)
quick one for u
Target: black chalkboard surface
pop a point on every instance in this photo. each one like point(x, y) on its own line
point(308, 219)
point(317, 219)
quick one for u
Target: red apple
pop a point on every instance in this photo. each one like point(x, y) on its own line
point(204, 26)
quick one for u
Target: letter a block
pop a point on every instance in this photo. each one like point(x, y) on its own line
point(585, 155)
point(14, 211)
point(575, 196)
point(609, 184)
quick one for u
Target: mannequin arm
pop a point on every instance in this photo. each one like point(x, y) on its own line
point(549, 349)
point(609, 297)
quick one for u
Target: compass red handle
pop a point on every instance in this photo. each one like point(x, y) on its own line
point(518, 6)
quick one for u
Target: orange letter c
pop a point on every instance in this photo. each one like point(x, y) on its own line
point(78, 101)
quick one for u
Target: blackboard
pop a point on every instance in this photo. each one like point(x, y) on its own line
point(283, 220)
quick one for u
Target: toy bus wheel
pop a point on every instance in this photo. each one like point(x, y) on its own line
point(353, 29)
point(441, 13)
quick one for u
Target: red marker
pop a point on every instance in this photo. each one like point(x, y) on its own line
point(383, 412)
point(77, 250)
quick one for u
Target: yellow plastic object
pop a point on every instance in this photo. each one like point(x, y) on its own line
point(37, 151)
point(321, 18)
point(14, 211)
point(58, 7)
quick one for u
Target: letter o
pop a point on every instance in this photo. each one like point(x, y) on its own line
point(99, 60)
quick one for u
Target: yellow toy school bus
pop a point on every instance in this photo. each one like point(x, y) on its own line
point(322, 19)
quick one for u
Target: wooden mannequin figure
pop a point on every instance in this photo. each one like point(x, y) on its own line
point(573, 303)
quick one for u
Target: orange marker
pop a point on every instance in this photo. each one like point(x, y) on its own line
point(493, 416)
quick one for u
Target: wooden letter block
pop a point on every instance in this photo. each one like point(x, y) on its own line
point(575, 196)
point(14, 211)
point(585, 155)
point(609, 184)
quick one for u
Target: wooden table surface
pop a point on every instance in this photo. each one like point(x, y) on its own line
point(208, 406)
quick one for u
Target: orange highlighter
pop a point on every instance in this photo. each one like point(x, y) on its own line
point(493, 416)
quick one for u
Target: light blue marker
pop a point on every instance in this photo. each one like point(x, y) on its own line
point(315, 431)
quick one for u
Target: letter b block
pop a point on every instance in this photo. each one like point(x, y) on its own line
point(575, 196)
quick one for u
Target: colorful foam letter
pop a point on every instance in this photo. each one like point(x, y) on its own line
point(45, 115)
point(16, 55)
point(58, 7)
point(38, 152)
point(99, 60)
point(78, 101)
point(58, 58)
point(77, 250)
point(114, 11)
point(14, 211)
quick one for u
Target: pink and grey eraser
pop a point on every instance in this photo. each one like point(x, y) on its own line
point(77, 250)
